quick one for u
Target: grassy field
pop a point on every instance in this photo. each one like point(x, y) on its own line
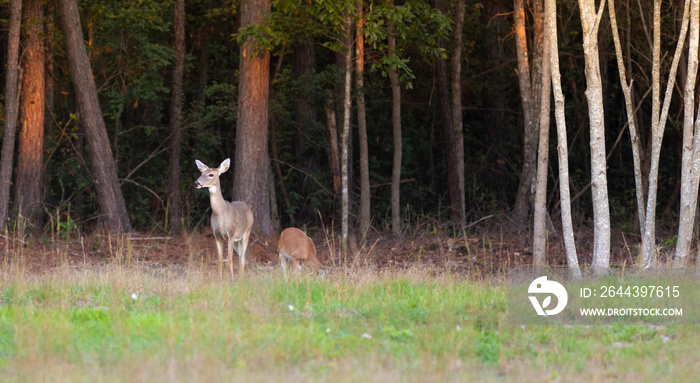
point(180, 324)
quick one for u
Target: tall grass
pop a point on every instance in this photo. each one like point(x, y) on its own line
point(123, 322)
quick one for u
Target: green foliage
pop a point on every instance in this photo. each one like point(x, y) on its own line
point(130, 49)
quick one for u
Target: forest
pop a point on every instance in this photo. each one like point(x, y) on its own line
point(369, 117)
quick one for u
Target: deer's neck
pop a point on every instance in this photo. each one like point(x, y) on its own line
point(216, 199)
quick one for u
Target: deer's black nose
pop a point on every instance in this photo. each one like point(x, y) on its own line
point(197, 185)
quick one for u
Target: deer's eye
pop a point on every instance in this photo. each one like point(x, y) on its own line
point(211, 175)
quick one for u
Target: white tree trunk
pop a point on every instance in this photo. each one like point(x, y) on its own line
point(658, 125)
point(347, 102)
point(594, 95)
point(629, 109)
point(690, 165)
point(539, 248)
point(562, 146)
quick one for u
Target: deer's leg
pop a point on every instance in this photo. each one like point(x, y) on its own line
point(283, 262)
point(230, 256)
point(243, 245)
point(220, 252)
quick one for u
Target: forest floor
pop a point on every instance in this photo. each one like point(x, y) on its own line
point(485, 251)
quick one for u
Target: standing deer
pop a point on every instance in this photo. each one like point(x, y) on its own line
point(296, 246)
point(230, 221)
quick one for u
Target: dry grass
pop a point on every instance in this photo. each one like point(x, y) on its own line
point(432, 311)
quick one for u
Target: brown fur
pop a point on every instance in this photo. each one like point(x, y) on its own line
point(297, 246)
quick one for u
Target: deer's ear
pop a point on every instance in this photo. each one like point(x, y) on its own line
point(201, 166)
point(224, 165)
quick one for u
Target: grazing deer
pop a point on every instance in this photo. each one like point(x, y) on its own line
point(296, 246)
point(230, 221)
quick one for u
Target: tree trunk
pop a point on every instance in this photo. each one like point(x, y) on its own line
point(251, 165)
point(396, 123)
point(594, 95)
point(562, 146)
point(362, 122)
point(30, 160)
point(174, 200)
point(658, 124)
point(306, 151)
point(447, 134)
point(539, 247)
point(629, 109)
point(104, 169)
point(529, 87)
point(456, 85)
point(344, 136)
point(11, 108)
point(494, 101)
point(49, 35)
point(332, 124)
point(304, 69)
point(690, 163)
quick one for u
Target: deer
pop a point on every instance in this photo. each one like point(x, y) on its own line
point(230, 221)
point(296, 246)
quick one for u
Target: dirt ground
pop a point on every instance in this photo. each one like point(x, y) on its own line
point(486, 251)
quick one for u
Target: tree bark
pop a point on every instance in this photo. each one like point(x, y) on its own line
point(362, 122)
point(332, 124)
point(306, 151)
point(562, 145)
point(396, 124)
point(11, 108)
point(658, 124)
point(539, 247)
point(251, 164)
point(345, 135)
point(629, 109)
point(529, 87)
point(30, 160)
point(175, 111)
point(690, 163)
point(447, 133)
point(49, 127)
point(456, 85)
point(104, 169)
point(590, 20)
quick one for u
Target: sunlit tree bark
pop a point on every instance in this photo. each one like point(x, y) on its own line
point(529, 98)
point(30, 160)
point(251, 161)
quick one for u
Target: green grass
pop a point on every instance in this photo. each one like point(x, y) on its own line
point(82, 325)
